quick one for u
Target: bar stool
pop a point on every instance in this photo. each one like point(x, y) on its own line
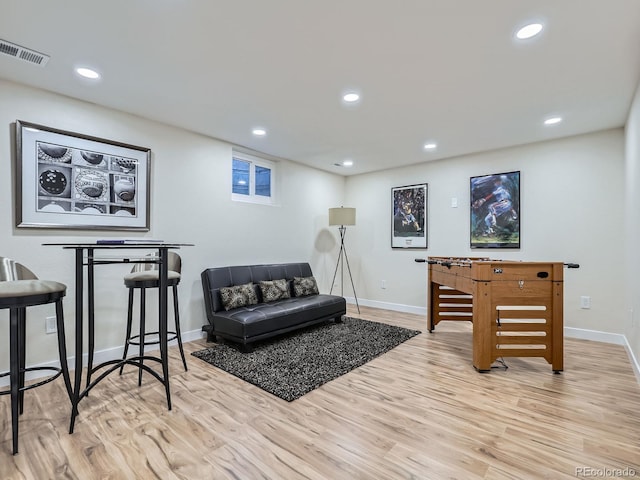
point(19, 289)
point(143, 276)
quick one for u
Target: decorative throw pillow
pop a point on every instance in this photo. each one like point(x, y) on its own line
point(238, 296)
point(303, 286)
point(273, 290)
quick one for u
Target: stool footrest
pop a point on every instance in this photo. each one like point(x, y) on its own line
point(57, 372)
point(170, 336)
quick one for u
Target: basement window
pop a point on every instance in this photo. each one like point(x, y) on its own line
point(252, 179)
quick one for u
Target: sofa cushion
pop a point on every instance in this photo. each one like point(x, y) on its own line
point(213, 279)
point(304, 286)
point(238, 296)
point(273, 290)
point(257, 320)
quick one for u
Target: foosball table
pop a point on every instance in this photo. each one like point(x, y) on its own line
point(515, 307)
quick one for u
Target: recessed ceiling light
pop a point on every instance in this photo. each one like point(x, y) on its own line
point(259, 132)
point(347, 163)
point(87, 73)
point(351, 97)
point(430, 146)
point(552, 120)
point(529, 31)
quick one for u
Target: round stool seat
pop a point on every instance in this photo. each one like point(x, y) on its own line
point(149, 279)
point(24, 293)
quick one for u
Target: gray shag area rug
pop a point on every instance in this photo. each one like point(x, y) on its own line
point(291, 365)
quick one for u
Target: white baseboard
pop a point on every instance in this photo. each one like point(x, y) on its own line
point(595, 335)
point(570, 332)
point(396, 307)
point(116, 352)
point(98, 357)
point(605, 337)
point(632, 358)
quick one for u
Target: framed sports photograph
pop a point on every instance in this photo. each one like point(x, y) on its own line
point(409, 216)
point(495, 211)
point(69, 180)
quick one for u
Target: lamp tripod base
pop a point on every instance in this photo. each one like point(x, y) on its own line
point(342, 259)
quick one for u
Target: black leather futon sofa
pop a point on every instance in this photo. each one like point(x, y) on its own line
point(254, 302)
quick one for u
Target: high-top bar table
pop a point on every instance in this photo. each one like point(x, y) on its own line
point(85, 256)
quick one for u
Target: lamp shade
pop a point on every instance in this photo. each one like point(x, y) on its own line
point(342, 216)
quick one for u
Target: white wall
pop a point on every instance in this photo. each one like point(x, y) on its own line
point(632, 217)
point(190, 202)
point(571, 211)
point(572, 192)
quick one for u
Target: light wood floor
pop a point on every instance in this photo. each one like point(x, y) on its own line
point(420, 411)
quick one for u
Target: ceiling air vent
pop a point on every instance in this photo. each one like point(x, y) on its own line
point(23, 54)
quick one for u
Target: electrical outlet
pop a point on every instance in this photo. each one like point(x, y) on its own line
point(383, 284)
point(50, 325)
point(585, 302)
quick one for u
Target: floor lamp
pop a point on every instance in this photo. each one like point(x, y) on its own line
point(343, 217)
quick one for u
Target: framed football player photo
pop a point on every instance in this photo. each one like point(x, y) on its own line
point(71, 180)
point(409, 216)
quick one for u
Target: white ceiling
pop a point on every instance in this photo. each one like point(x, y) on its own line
point(447, 71)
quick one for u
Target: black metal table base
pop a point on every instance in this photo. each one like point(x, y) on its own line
point(76, 391)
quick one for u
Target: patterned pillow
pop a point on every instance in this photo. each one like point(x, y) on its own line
point(303, 286)
point(238, 296)
point(273, 290)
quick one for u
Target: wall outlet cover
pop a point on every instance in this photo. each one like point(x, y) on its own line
point(50, 325)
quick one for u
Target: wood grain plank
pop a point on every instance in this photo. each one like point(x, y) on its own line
point(419, 411)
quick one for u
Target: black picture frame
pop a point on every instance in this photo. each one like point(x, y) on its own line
point(409, 216)
point(495, 210)
point(72, 181)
